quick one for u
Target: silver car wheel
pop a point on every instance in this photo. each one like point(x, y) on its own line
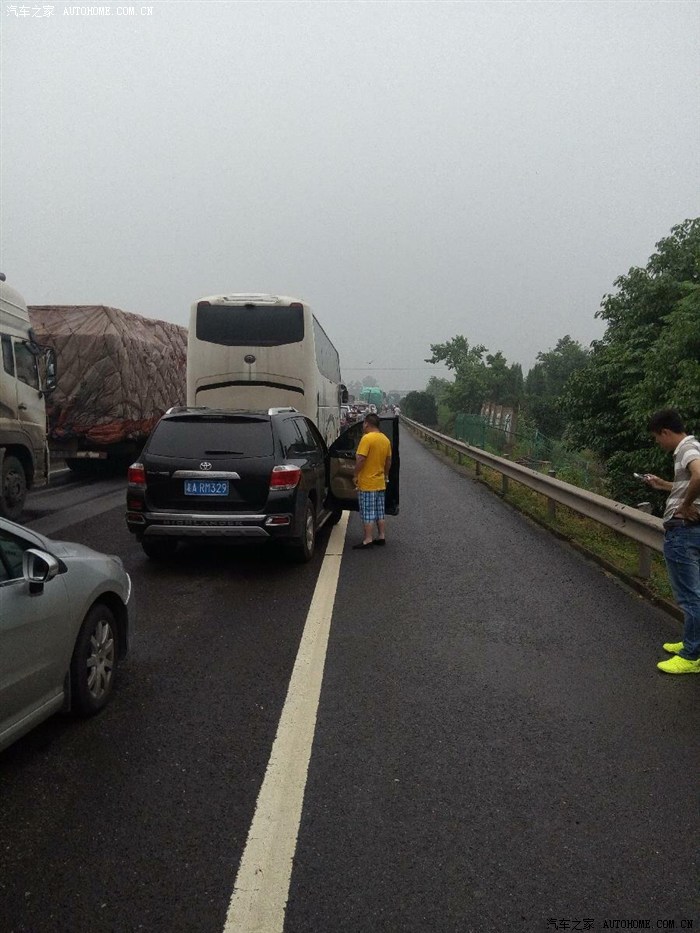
point(93, 669)
point(100, 660)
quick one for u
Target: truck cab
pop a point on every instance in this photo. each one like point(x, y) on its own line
point(27, 375)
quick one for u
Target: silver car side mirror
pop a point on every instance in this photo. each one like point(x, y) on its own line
point(38, 568)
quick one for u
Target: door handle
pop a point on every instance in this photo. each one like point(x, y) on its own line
point(22, 406)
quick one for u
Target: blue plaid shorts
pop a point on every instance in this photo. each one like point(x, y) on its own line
point(371, 505)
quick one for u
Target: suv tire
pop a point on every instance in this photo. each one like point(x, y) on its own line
point(159, 548)
point(302, 549)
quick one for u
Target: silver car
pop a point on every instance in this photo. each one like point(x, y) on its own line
point(65, 617)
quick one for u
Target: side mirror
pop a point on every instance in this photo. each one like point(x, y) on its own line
point(343, 394)
point(38, 568)
point(49, 370)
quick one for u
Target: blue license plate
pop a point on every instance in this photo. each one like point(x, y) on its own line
point(206, 487)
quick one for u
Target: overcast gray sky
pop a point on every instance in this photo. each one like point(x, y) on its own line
point(412, 170)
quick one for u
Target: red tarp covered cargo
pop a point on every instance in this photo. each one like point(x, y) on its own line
point(117, 372)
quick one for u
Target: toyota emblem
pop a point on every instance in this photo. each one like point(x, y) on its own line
point(205, 465)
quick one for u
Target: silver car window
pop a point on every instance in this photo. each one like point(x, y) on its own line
point(11, 550)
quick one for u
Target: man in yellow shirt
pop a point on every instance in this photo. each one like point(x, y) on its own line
point(372, 463)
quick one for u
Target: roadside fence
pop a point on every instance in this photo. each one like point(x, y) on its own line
point(531, 447)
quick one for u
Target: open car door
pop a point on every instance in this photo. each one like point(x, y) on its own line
point(341, 466)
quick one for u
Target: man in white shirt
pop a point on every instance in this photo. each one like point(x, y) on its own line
point(682, 534)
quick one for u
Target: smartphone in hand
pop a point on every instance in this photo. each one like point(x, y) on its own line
point(641, 476)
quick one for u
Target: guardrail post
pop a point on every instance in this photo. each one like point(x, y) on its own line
point(551, 504)
point(504, 481)
point(644, 560)
point(477, 468)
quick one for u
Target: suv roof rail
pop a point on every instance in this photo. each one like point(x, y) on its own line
point(280, 411)
point(178, 409)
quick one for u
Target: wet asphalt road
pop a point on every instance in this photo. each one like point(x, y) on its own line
point(494, 747)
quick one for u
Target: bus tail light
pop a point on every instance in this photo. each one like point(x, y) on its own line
point(285, 476)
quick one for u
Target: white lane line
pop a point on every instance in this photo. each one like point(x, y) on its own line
point(260, 893)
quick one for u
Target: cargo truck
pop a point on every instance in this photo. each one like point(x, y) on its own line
point(119, 373)
point(27, 376)
point(373, 395)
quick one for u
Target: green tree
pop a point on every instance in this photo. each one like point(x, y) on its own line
point(672, 364)
point(421, 407)
point(468, 391)
point(504, 383)
point(476, 379)
point(438, 388)
point(545, 384)
point(646, 360)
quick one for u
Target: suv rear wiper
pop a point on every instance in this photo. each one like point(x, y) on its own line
point(211, 453)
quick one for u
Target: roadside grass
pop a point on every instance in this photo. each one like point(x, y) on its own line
point(618, 553)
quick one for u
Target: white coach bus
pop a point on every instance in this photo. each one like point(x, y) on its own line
point(263, 351)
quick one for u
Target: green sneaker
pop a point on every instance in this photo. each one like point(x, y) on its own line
point(673, 647)
point(679, 665)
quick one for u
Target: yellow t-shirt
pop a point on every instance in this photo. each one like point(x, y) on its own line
point(376, 447)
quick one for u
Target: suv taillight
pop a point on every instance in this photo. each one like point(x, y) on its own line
point(285, 476)
point(137, 475)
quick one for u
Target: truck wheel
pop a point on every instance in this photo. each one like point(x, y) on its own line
point(13, 488)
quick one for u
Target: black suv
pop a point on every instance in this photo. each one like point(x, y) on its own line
point(253, 475)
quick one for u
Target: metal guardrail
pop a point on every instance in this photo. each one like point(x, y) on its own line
point(635, 523)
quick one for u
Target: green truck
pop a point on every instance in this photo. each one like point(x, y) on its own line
point(373, 395)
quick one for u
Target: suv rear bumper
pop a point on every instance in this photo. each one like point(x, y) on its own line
point(191, 525)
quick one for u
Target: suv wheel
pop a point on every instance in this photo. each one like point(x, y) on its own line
point(303, 547)
point(159, 548)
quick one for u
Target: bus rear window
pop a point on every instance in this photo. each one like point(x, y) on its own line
point(250, 325)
